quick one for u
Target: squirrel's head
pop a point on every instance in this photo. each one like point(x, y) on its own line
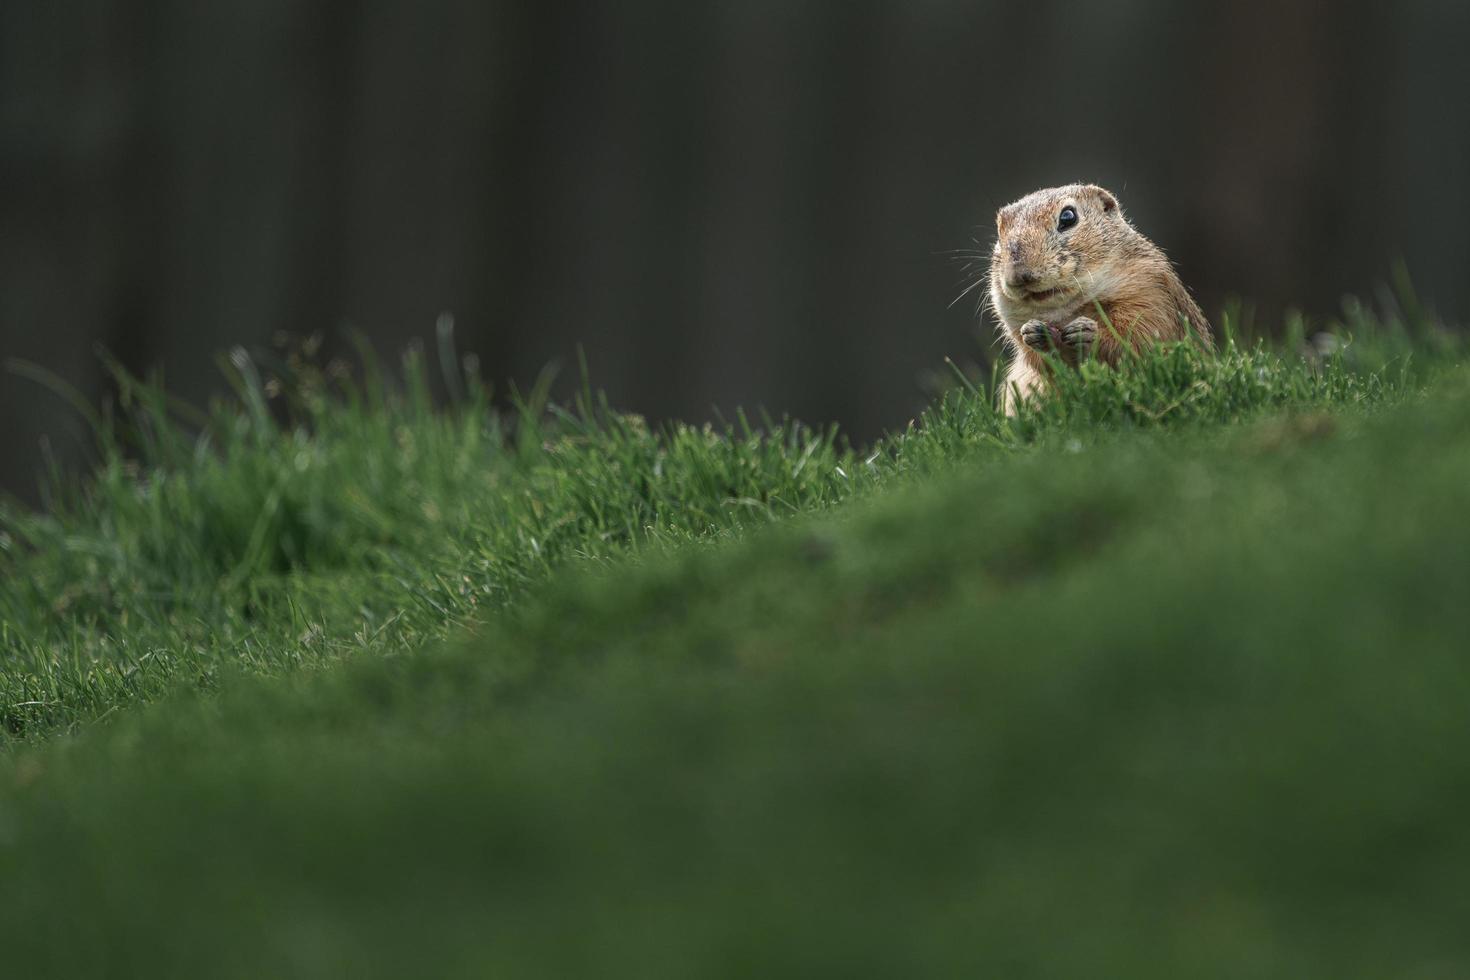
point(1052, 249)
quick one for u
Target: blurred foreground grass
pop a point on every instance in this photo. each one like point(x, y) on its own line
point(1166, 679)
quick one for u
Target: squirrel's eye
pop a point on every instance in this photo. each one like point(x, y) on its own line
point(1067, 218)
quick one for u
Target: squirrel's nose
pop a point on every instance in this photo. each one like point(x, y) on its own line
point(1020, 278)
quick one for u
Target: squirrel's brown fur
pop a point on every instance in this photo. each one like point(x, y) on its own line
point(1047, 283)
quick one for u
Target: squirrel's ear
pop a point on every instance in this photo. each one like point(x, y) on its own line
point(1108, 201)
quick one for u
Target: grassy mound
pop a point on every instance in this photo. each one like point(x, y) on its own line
point(1164, 680)
point(312, 520)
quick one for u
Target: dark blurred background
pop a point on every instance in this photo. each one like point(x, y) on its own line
point(725, 204)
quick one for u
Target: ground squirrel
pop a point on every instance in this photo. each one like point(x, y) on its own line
point(1059, 254)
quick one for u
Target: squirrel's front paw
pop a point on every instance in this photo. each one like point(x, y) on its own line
point(1036, 335)
point(1080, 334)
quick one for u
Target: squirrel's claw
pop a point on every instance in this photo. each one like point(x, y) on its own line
point(1036, 335)
point(1080, 334)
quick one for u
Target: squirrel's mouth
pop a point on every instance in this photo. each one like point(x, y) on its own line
point(1042, 295)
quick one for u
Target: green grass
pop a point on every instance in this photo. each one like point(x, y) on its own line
point(1165, 679)
point(314, 519)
